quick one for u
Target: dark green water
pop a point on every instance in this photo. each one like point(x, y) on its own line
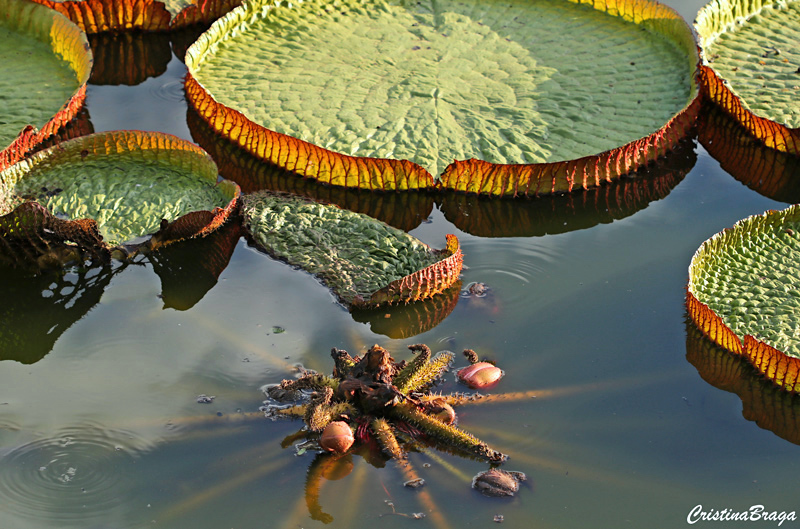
point(100, 427)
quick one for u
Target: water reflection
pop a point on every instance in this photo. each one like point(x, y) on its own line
point(774, 174)
point(552, 214)
point(404, 321)
point(185, 278)
point(129, 58)
point(38, 308)
point(762, 402)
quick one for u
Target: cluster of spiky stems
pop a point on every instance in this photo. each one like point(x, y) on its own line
point(383, 399)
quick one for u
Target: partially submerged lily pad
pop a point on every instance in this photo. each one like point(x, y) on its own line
point(131, 183)
point(744, 293)
point(364, 261)
point(347, 91)
point(46, 63)
point(750, 59)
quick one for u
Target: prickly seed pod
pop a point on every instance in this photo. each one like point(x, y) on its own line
point(337, 437)
point(480, 375)
point(439, 408)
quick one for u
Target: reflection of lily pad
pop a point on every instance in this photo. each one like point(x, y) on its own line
point(744, 293)
point(129, 58)
point(772, 173)
point(364, 261)
point(763, 403)
point(37, 309)
point(46, 64)
point(750, 66)
point(346, 92)
point(130, 182)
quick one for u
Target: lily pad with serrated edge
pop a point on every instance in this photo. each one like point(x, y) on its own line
point(46, 64)
point(365, 262)
point(750, 67)
point(744, 293)
point(551, 95)
point(131, 183)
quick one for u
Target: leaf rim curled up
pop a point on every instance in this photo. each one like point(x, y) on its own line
point(713, 20)
point(774, 364)
point(67, 41)
point(468, 176)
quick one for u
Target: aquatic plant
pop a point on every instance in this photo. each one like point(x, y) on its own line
point(382, 400)
point(750, 66)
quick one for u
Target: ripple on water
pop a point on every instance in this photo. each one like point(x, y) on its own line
point(170, 91)
point(516, 274)
point(80, 474)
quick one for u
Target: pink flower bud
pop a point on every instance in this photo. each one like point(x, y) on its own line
point(480, 375)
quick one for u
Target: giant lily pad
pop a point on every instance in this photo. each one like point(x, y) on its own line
point(131, 183)
point(743, 293)
point(750, 59)
point(365, 262)
point(550, 95)
point(46, 63)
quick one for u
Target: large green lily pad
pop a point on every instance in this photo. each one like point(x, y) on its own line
point(129, 182)
point(45, 63)
point(750, 65)
point(744, 292)
point(516, 82)
point(364, 261)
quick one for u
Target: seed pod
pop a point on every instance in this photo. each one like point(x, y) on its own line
point(480, 375)
point(337, 437)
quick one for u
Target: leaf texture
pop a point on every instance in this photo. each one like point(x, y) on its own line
point(431, 82)
point(44, 54)
point(750, 66)
point(132, 183)
point(365, 262)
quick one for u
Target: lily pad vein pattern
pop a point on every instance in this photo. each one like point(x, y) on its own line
point(435, 81)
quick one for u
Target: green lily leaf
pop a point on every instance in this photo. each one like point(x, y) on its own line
point(46, 63)
point(375, 94)
point(750, 66)
point(743, 293)
point(365, 262)
point(131, 183)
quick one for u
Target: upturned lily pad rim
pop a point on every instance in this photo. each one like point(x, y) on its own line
point(777, 366)
point(469, 176)
point(130, 141)
point(100, 16)
point(713, 19)
point(70, 43)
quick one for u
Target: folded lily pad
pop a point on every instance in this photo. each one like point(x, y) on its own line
point(365, 262)
point(375, 94)
point(744, 293)
point(131, 183)
point(750, 62)
point(46, 63)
